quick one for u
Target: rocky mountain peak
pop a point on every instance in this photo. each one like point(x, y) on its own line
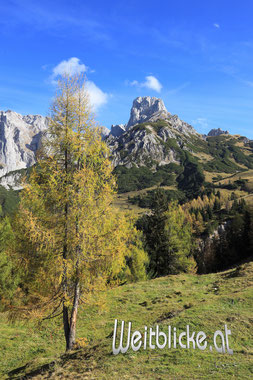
point(152, 136)
point(117, 130)
point(217, 132)
point(144, 108)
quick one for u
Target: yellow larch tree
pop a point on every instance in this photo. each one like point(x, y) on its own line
point(70, 241)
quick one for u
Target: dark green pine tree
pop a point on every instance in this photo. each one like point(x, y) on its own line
point(216, 206)
point(209, 212)
point(153, 227)
point(192, 178)
point(168, 238)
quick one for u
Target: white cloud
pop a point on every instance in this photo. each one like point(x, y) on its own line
point(71, 66)
point(133, 83)
point(200, 123)
point(151, 82)
point(74, 66)
point(96, 95)
point(216, 25)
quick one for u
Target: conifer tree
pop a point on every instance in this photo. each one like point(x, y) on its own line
point(70, 242)
point(168, 238)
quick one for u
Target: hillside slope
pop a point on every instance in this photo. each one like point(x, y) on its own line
point(205, 303)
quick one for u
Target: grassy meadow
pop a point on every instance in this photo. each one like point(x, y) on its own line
point(205, 302)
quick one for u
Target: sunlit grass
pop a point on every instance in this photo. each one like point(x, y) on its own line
point(205, 302)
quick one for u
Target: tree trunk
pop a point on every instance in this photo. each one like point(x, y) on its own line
point(66, 325)
point(71, 330)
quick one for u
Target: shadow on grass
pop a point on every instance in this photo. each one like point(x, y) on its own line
point(47, 369)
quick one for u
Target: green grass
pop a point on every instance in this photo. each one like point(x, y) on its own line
point(205, 302)
point(24, 342)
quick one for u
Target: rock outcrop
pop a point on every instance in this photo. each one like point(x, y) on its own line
point(13, 180)
point(217, 132)
point(104, 132)
point(152, 136)
point(117, 130)
point(20, 138)
point(144, 108)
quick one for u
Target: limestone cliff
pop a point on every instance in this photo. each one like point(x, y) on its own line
point(20, 138)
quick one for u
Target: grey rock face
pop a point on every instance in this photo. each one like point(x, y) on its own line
point(104, 132)
point(217, 132)
point(181, 126)
point(20, 138)
point(156, 143)
point(117, 130)
point(145, 107)
point(151, 143)
point(139, 149)
point(12, 180)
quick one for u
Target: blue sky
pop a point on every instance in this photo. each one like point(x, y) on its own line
point(195, 55)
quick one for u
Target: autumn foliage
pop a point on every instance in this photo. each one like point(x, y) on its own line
point(70, 243)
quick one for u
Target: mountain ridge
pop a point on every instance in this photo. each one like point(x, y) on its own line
point(152, 138)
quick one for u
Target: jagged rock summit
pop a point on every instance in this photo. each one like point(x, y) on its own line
point(144, 108)
point(117, 130)
point(152, 135)
point(217, 132)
